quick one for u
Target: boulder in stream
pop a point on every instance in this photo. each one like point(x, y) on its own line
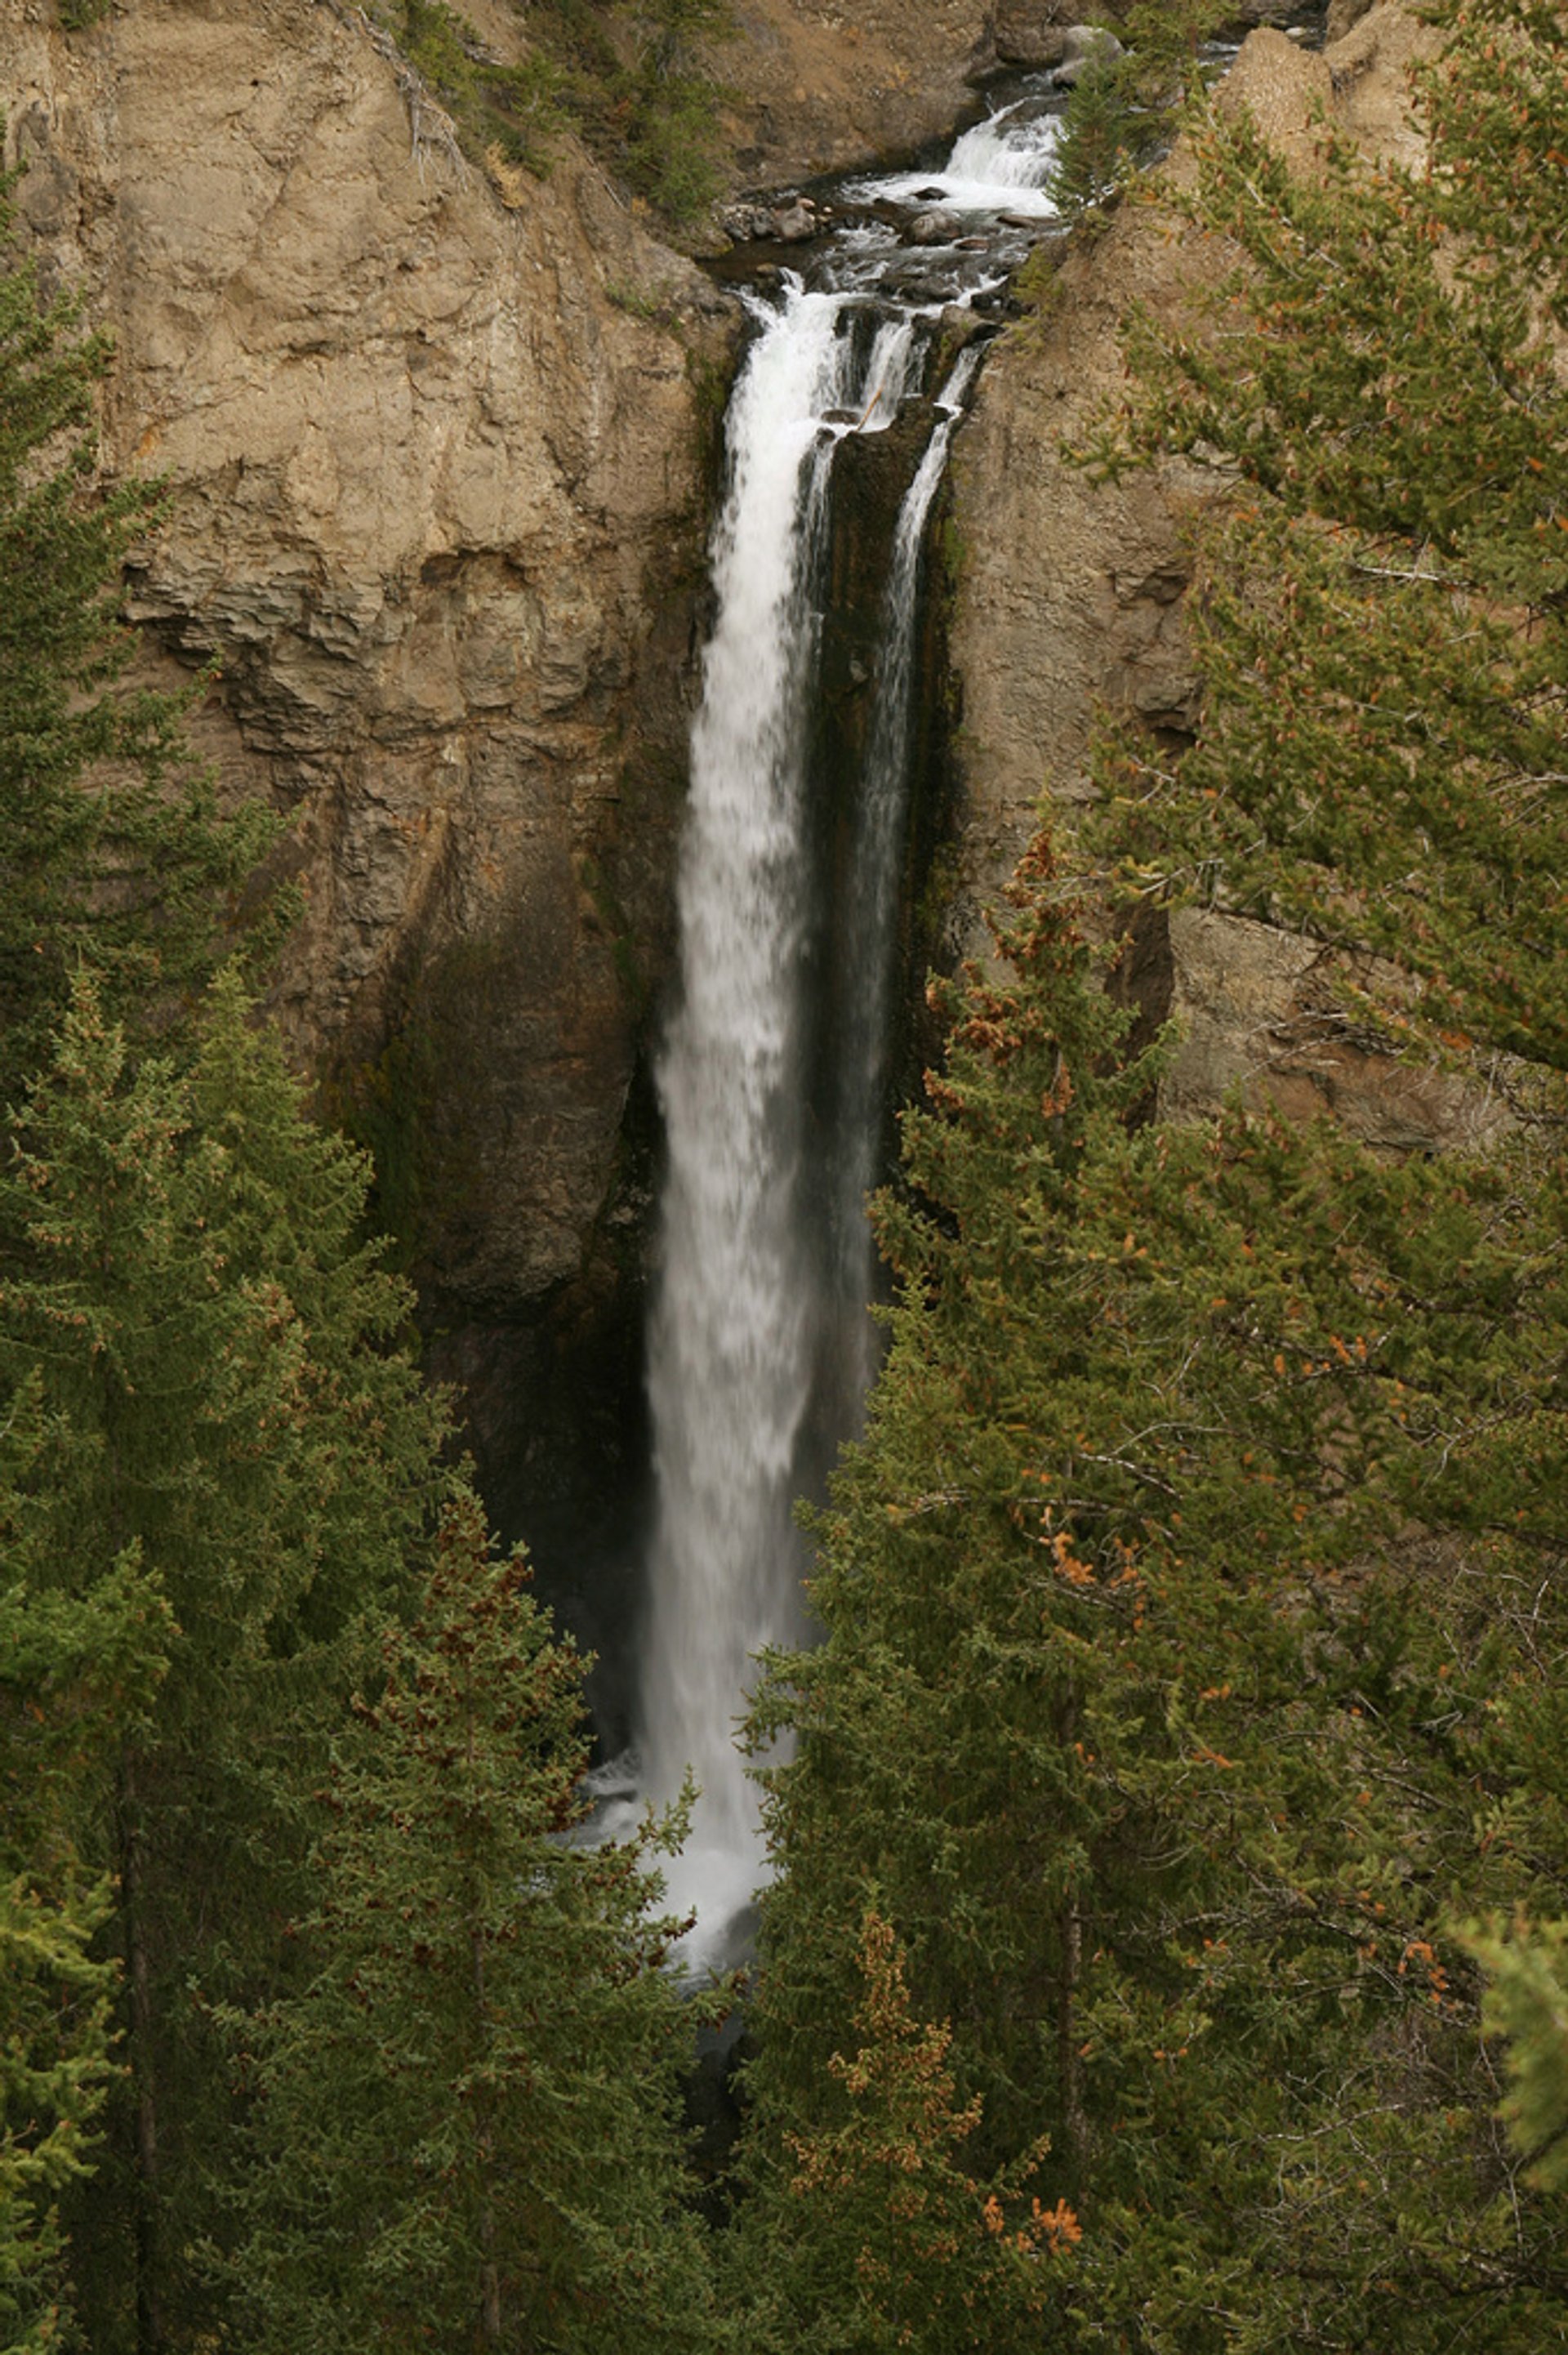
point(934, 228)
point(794, 223)
point(1026, 35)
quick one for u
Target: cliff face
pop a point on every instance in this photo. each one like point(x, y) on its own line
point(1071, 596)
point(819, 88)
point(435, 467)
point(825, 85)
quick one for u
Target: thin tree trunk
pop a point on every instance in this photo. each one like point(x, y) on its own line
point(150, 2338)
point(1069, 2063)
point(489, 2278)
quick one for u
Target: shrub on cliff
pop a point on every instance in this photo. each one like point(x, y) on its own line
point(1380, 620)
point(628, 75)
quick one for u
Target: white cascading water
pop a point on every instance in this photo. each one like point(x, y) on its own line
point(754, 1299)
point(1001, 164)
point(731, 1352)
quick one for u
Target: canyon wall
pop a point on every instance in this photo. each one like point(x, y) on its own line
point(439, 452)
point(1070, 598)
point(436, 460)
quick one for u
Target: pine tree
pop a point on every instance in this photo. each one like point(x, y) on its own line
point(1380, 619)
point(1101, 139)
point(1174, 1673)
point(201, 1341)
point(464, 2116)
point(1183, 1685)
point(54, 2062)
point(111, 844)
point(892, 2242)
point(1527, 2001)
point(72, 1671)
point(1126, 106)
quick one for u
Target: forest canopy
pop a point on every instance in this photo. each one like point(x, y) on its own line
point(246, 1599)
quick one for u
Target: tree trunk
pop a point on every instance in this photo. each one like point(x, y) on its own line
point(1069, 2065)
point(150, 2335)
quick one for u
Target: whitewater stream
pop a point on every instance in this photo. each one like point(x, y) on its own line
point(761, 1346)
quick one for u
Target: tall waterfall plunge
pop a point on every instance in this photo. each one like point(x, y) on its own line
point(760, 1332)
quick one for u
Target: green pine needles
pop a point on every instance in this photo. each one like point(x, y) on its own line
point(465, 2122)
point(1381, 617)
point(1126, 105)
point(1179, 1664)
point(1194, 1609)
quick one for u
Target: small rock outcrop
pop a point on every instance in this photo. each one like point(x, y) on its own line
point(1084, 46)
point(811, 89)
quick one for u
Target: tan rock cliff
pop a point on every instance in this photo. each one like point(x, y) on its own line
point(824, 85)
point(1070, 596)
point(436, 493)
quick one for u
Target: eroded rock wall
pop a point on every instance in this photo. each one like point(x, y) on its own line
point(436, 506)
point(814, 86)
point(1070, 598)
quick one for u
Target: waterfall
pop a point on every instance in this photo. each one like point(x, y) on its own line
point(760, 1341)
point(1002, 164)
point(1011, 149)
point(733, 1334)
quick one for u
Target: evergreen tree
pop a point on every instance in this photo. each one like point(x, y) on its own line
point(71, 1672)
point(1380, 622)
point(1101, 139)
point(1126, 104)
point(1527, 2001)
point(112, 845)
point(54, 2059)
point(1176, 1671)
point(1194, 1609)
point(892, 2242)
point(463, 2118)
point(201, 1343)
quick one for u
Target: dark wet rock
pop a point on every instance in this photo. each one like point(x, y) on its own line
point(958, 327)
point(746, 222)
